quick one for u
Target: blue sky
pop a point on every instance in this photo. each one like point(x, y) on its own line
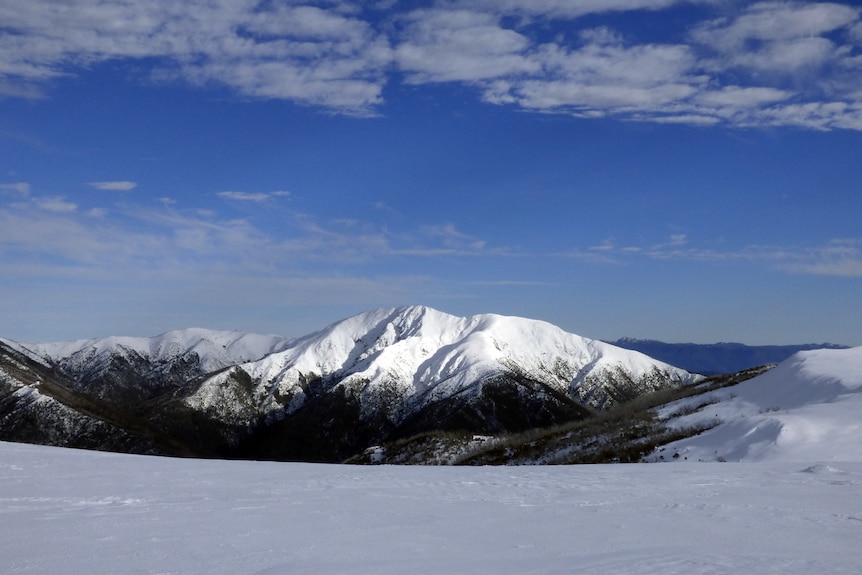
point(684, 171)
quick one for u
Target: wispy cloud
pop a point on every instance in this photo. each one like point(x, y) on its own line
point(452, 238)
point(56, 204)
point(50, 228)
point(116, 186)
point(841, 257)
point(606, 246)
point(838, 257)
point(252, 196)
point(19, 188)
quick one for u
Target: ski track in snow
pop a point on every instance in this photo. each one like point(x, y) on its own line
point(81, 512)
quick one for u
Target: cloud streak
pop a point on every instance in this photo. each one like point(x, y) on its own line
point(115, 186)
point(838, 257)
point(256, 197)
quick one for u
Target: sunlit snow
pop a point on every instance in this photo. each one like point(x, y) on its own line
point(81, 512)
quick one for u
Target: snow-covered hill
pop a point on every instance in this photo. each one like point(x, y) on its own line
point(808, 408)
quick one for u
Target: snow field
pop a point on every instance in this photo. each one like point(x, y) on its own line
point(83, 512)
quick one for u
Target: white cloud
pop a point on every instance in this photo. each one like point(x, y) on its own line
point(602, 76)
point(775, 21)
point(765, 63)
point(244, 196)
point(302, 53)
point(118, 186)
point(457, 45)
point(252, 196)
point(742, 97)
point(55, 204)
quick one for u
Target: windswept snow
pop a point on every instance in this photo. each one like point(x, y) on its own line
point(76, 512)
point(807, 408)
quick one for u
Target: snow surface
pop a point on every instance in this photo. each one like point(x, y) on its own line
point(77, 512)
point(807, 408)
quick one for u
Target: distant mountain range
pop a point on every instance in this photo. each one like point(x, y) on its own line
point(717, 358)
point(372, 378)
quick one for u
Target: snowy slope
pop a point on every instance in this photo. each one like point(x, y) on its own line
point(30, 410)
point(808, 407)
point(87, 513)
point(404, 359)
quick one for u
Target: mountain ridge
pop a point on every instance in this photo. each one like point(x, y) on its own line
point(372, 377)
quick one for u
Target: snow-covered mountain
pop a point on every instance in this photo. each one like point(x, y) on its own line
point(397, 372)
point(372, 377)
point(127, 369)
point(214, 349)
point(807, 408)
point(423, 356)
